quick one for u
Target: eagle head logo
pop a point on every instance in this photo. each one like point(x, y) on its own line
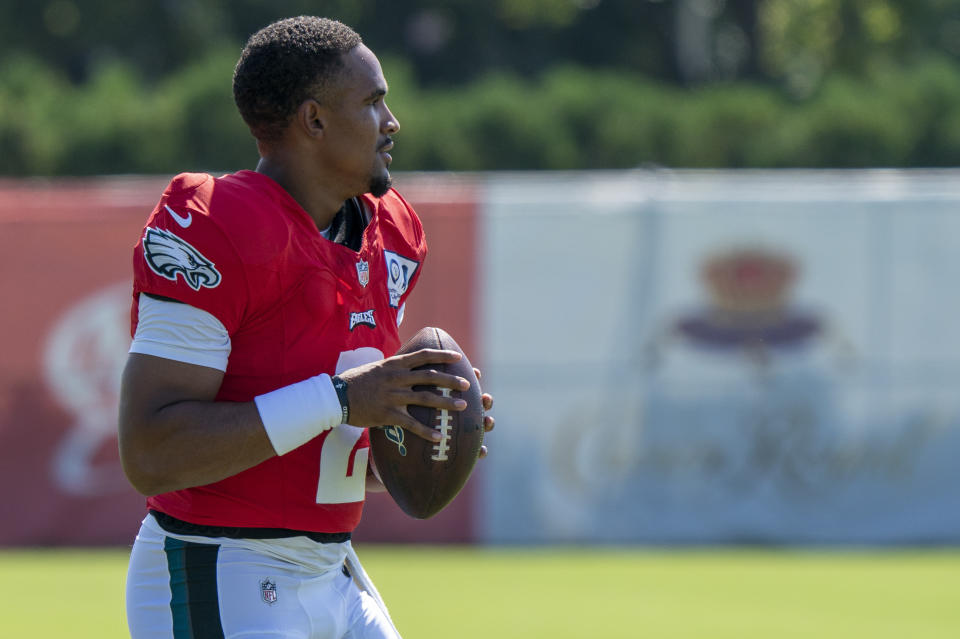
point(167, 255)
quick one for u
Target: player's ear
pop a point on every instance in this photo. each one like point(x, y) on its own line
point(311, 117)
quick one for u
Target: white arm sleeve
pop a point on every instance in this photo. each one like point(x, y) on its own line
point(180, 332)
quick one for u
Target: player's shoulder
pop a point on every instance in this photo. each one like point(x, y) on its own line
point(187, 184)
point(232, 197)
point(203, 237)
point(242, 208)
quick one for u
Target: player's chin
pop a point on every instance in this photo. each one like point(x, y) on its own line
point(380, 183)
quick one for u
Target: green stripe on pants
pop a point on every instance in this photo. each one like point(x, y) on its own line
point(193, 589)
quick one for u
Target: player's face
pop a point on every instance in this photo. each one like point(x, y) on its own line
point(360, 125)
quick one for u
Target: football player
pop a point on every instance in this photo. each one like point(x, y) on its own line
point(264, 304)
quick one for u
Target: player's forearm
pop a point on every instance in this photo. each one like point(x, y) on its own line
point(191, 443)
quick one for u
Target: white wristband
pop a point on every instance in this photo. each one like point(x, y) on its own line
point(295, 414)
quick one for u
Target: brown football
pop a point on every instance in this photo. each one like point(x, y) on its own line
point(424, 476)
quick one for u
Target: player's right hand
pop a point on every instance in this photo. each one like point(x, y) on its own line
point(379, 392)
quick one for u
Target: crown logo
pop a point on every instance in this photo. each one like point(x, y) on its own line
point(749, 281)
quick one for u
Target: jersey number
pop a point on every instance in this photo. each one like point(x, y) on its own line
point(335, 486)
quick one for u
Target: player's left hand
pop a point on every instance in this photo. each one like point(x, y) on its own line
point(488, 421)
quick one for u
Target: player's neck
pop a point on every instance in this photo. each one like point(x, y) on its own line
point(319, 204)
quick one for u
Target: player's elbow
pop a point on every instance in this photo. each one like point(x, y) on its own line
point(143, 483)
point(142, 468)
point(145, 479)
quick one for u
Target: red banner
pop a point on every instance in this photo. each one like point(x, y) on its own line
point(65, 250)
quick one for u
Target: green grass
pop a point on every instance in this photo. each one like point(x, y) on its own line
point(562, 593)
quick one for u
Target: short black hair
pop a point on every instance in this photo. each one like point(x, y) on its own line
point(285, 63)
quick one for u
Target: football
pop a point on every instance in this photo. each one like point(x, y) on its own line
point(424, 476)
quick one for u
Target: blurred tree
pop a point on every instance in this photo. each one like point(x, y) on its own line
point(802, 42)
point(485, 84)
point(156, 37)
point(448, 41)
point(794, 42)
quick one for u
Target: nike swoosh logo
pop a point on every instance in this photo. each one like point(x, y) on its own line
point(183, 221)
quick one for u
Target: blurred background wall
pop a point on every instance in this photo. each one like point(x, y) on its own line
point(718, 357)
point(703, 250)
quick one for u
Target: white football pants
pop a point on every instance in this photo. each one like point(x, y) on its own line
point(186, 587)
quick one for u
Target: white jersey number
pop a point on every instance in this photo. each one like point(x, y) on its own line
point(335, 486)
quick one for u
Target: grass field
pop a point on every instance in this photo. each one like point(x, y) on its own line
point(561, 593)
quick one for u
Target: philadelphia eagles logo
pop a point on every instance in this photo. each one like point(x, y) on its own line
point(167, 255)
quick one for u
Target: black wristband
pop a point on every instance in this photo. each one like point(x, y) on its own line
point(341, 387)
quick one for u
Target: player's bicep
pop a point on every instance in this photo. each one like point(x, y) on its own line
point(148, 386)
point(150, 383)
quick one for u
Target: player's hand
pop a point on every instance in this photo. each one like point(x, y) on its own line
point(379, 392)
point(488, 421)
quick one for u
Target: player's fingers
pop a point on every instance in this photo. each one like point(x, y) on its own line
point(431, 377)
point(488, 423)
point(432, 400)
point(487, 401)
point(476, 371)
point(483, 452)
point(408, 423)
point(427, 356)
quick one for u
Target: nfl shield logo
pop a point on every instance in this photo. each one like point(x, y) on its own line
point(268, 591)
point(363, 272)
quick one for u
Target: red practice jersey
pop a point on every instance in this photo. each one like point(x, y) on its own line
point(295, 305)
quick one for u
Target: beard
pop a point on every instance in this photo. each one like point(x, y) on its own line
point(380, 184)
